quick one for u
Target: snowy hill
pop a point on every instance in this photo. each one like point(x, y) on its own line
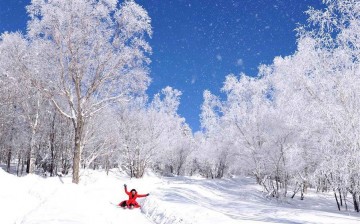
point(33, 199)
point(240, 200)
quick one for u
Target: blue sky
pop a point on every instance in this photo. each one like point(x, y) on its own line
point(196, 43)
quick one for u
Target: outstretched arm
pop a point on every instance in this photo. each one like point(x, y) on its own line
point(142, 195)
point(125, 188)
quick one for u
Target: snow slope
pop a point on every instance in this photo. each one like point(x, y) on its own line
point(189, 200)
point(33, 199)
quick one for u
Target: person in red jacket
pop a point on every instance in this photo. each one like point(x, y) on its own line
point(131, 203)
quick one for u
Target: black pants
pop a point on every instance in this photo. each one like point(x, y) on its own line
point(123, 204)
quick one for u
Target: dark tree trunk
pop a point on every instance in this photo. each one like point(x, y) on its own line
point(258, 179)
point(337, 202)
point(28, 164)
point(18, 164)
point(22, 166)
point(356, 203)
point(341, 203)
point(65, 167)
point(8, 160)
point(171, 169)
point(302, 192)
point(221, 170)
point(52, 164)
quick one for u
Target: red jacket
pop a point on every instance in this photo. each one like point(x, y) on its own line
point(132, 198)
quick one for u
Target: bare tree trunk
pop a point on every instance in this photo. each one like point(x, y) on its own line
point(18, 164)
point(28, 162)
point(8, 160)
point(303, 189)
point(34, 126)
point(78, 125)
point(178, 168)
point(142, 169)
point(52, 164)
point(182, 160)
point(107, 165)
point(171, 169)
point(274, 192)
point(286, 184)
point(31, 154)
point(341, 203)
point(52, 146)
point(337, 202)
point(132, 172)
point(77, 153)
point(277, 177)
point(356, 203)
point(296, 189)
point(346, 207)
point(22, 166)
point(258, 178)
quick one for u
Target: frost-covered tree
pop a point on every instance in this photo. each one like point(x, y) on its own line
point(153, 135)
point(89, 53)
point(297, 123)
point(236, 126)
point(177, 137)
point(140, 136)
point(17, 73)
point(317, 87)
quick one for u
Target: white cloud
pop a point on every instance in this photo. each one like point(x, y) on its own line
point(218, 57)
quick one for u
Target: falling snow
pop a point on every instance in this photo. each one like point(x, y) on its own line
point(193, 37)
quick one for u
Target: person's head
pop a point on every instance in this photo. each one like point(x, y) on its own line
point(133, 191)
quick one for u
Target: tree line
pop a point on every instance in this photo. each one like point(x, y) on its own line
point(296, 124)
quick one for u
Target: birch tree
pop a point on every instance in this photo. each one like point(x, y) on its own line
point(16, 64)
point(89, 53)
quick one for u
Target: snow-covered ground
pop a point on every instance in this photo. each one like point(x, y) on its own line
point(33, 199)
point(239, 200)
